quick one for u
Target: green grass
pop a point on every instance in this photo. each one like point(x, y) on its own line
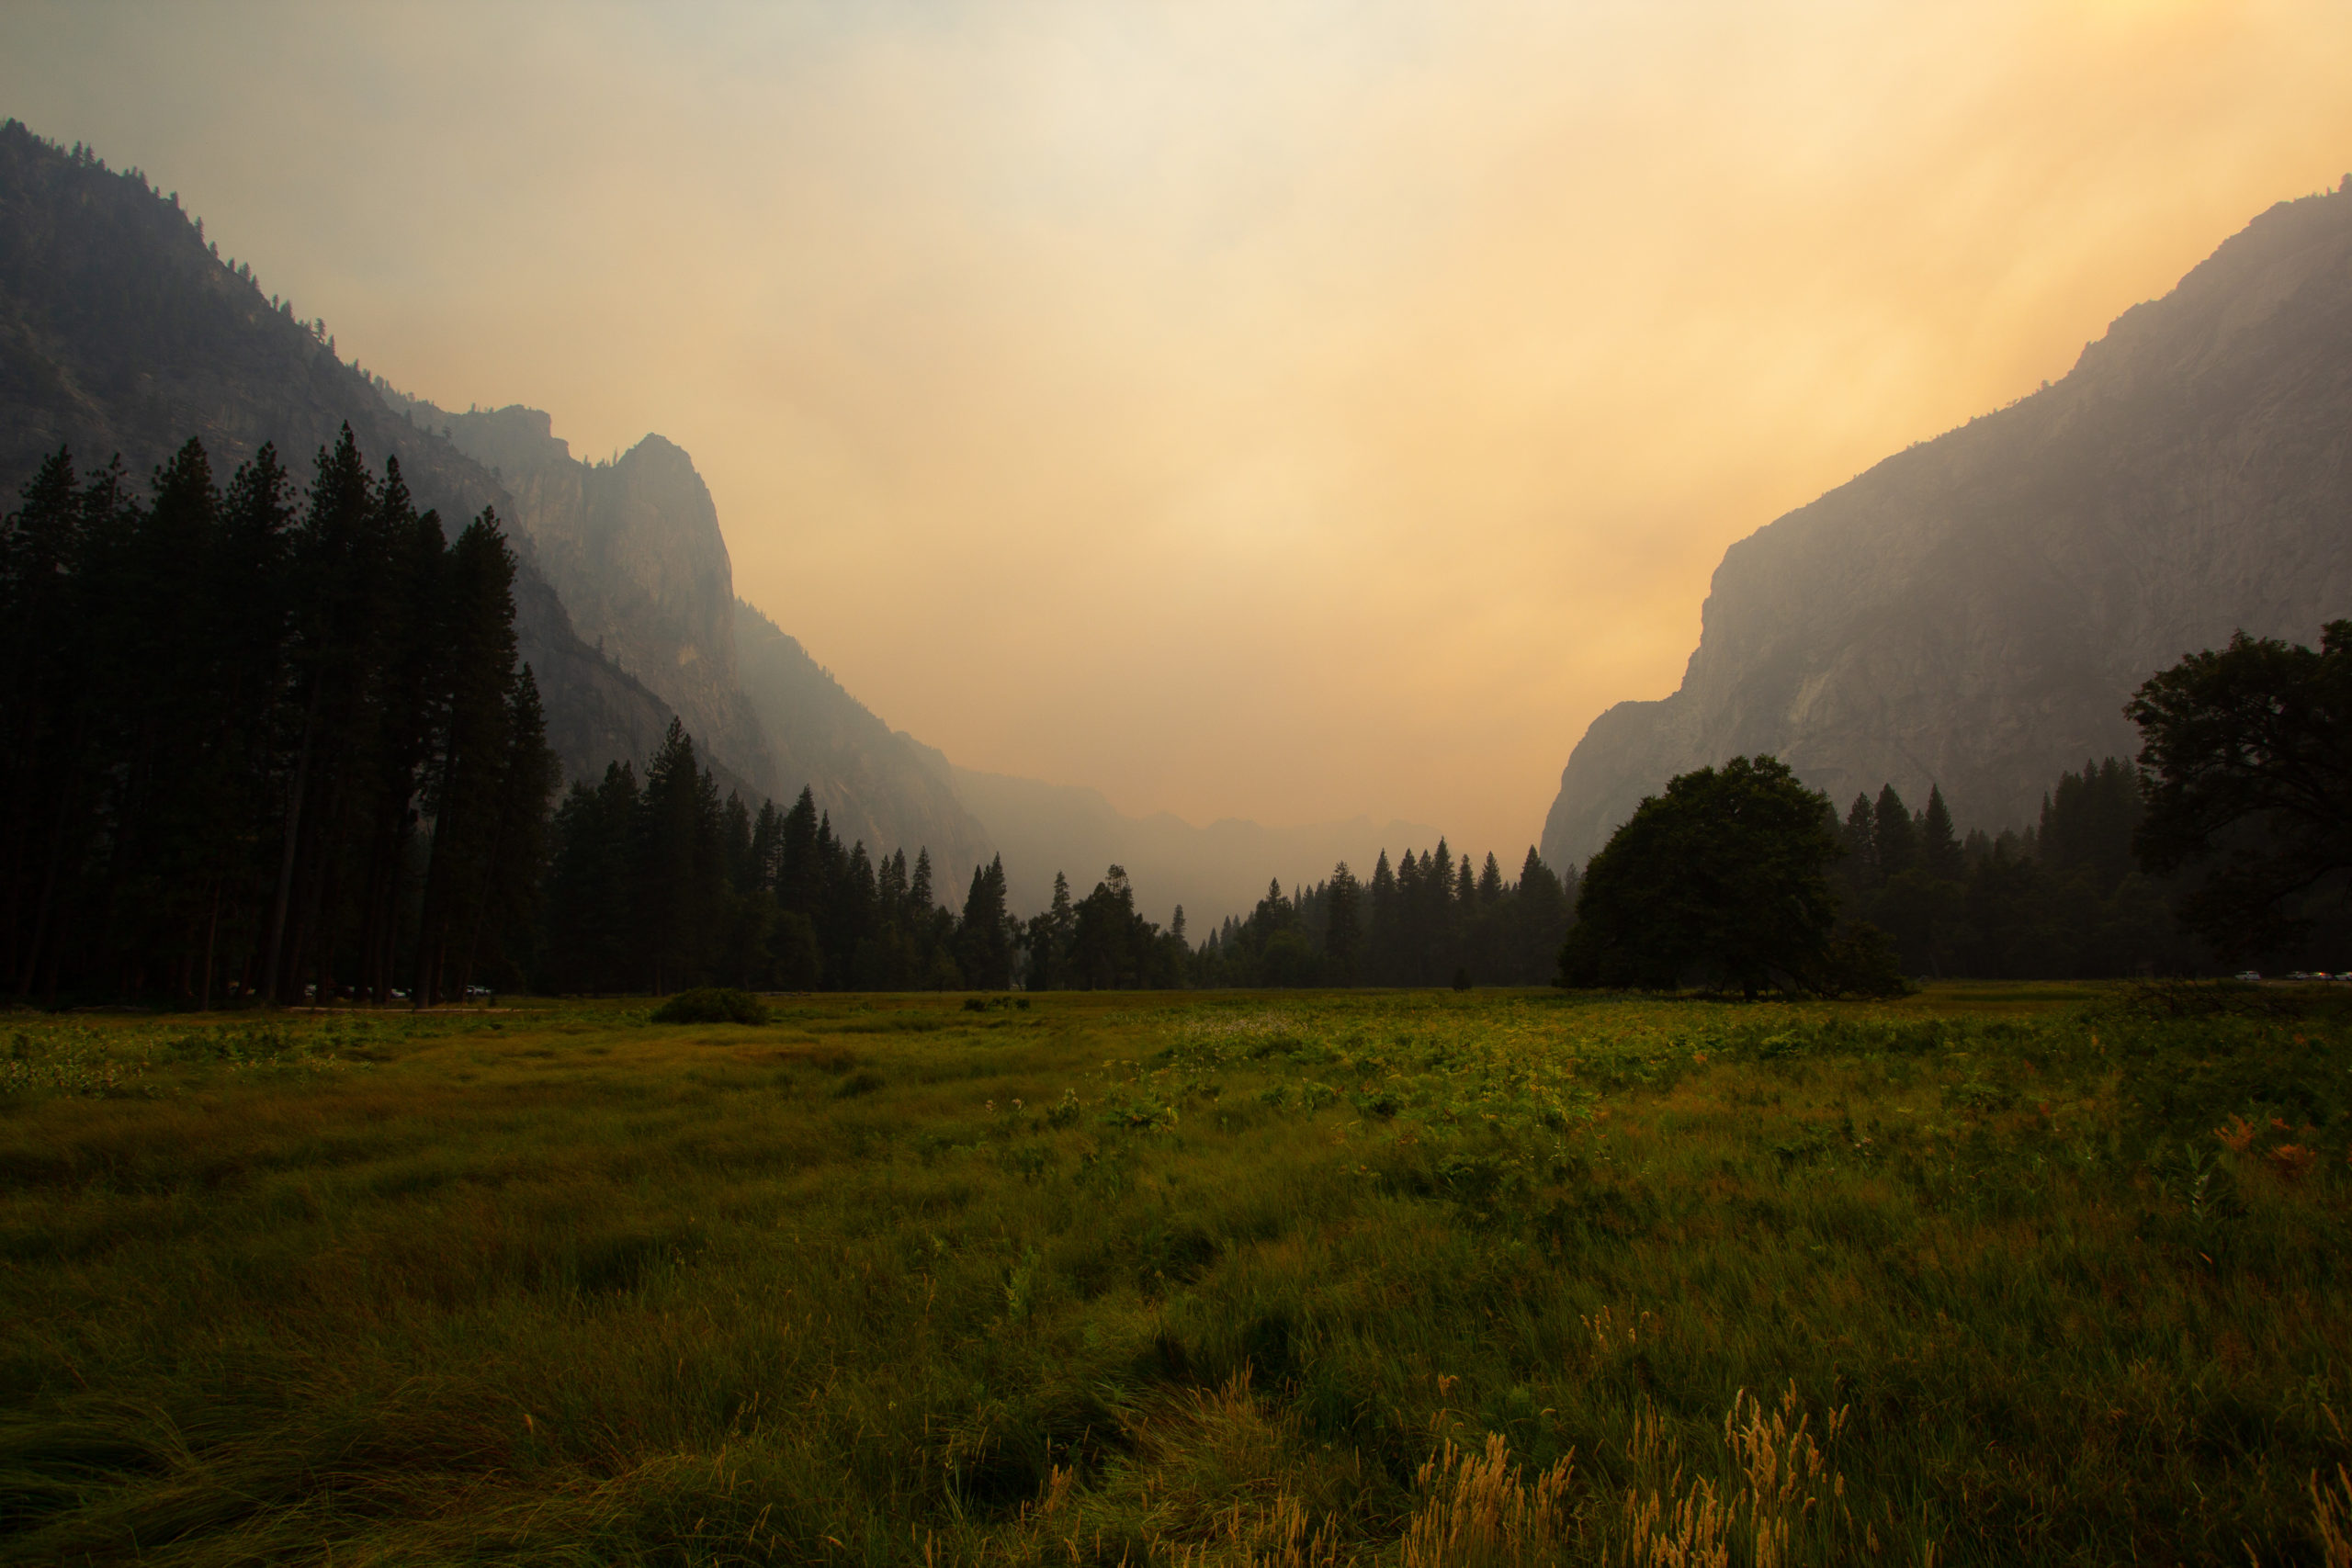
point(1303, 1278)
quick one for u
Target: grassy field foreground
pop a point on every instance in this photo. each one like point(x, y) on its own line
point(1974, 1277)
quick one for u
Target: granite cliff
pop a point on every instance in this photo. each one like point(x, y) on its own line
point(1974, 612)
point(634, 549)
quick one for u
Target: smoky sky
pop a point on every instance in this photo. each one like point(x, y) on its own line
point(1276, 410)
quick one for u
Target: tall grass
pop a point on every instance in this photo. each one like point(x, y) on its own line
point(1974, 1277)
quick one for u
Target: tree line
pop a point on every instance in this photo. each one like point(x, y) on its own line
point(262, 746)
point(2228, 840)
point(660, 886)
point(257, 745)
point(1429, 920)
point(2063, 897)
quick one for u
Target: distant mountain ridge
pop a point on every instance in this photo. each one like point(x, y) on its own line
point(878, 784)
point(1974, 612)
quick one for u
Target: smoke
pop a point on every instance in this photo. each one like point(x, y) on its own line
point(1283, 411)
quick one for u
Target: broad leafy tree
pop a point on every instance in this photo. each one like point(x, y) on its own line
point(1723, 879)
point(2246, 754)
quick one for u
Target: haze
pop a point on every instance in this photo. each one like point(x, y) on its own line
point(1274, 412)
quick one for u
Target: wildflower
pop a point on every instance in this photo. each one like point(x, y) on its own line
point(2291, 1160)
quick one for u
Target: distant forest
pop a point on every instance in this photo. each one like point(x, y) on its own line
point(251, 750)
point(661, 884)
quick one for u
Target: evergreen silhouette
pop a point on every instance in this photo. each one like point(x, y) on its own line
point(254, 752)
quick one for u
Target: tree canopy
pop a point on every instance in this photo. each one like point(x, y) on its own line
point(1723, 879)
point(2247, 757)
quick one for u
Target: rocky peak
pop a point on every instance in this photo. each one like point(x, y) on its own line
point(633, 545)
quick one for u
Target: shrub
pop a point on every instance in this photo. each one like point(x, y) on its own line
point(712, 1004)
point(1861, 962)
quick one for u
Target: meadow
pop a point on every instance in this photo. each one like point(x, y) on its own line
point(1976, 1275)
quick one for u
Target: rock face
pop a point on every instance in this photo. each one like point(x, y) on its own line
point(878, 784)
point(1974, 612)
point(634, 549)
point(122, 332)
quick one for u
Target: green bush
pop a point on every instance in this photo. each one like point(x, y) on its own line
point(712, 1004)
point(1862, 961)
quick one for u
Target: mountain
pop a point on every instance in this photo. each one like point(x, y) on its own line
point(1974, 612)
point(879, 785)
point(1213, 872)
point(122, 332)
point(634, 549)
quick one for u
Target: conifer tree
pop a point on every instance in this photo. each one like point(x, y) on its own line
point(1385, 940)
point(800, 878)
point(983, 939)
point(675, 881)
point(517, 854)
point(1343, 925)
point(1938, 845)
point(1893, 838)
point(1544, 913)
point(1859, 868)
point(767, 848)
point(471, 749)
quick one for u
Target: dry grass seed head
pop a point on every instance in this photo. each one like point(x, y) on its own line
point(1479, 1511)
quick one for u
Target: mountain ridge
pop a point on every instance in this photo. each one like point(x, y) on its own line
point(122, 332)
point(1971, 613)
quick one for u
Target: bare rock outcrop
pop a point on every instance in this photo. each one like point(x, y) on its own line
point(634, 548)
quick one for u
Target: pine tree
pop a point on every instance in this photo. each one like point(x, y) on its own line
point(1545, 912)
point(1050, 937)
point(800, 878)
point(1384, 940)
point(1939, 853)
point(672, 878)
point(767, 848)
point(516, 861)
point(983, 942)
point(471, 751)
point(1894, 838)
point(1859, 868)
point(1343, 926)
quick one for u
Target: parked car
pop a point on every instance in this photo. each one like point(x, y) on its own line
point(2249, 974)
